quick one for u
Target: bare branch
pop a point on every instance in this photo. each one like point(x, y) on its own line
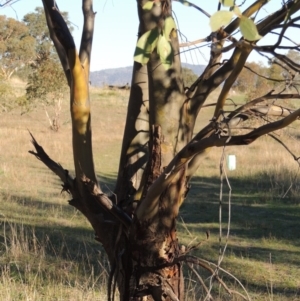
point(285, 146)
point(63, 174)
point(58, 25)
point(58, 46)
point(238, 64)
point(207, 265)
point(265, 77)
point(87, 35)
point(197, 146)
point(267, 24)
point(194, 6)
point(188, 44)
point(282, 47)
point(201, 281)
point(272, 110)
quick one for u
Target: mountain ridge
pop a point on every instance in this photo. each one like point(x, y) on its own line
point(122, 75)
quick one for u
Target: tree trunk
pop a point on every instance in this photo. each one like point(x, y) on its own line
point(137, 224)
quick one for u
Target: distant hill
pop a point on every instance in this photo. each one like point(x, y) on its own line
point(122, 76)
point(197, 69)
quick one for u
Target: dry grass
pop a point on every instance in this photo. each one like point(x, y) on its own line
point(47, 249)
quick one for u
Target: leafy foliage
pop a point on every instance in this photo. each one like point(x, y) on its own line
point(46, 80)
point(248, 29)
point(37, 28)
point(251, 81)
point(6, 96)
point(165, 51)
point(220, 18)
point(189, 77)
point(157, 38)
point(228, 2)
point(145, 45)
point(17, 47)
point(223, 17)
point(148, 5)
point(266, 78)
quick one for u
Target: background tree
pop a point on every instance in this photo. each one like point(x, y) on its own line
point(47, 85)
point(46, 81)
point(253, 80)
point(16, 52)
point(16, 46)
point(137, 223)
point(27, 50)
point(189, 77)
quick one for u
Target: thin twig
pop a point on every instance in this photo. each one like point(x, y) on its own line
point(194, 6)
point(201, 281)
point(220, 203)
point(229, 214)
point(188, 44)
point(297, 159)
point(229, 274)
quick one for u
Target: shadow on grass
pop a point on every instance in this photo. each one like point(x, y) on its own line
point(262, 225)
point(250, 217)
point(267, 224)
point(36, 240)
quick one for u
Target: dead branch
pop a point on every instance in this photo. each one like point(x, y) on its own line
point(201, 281)
point(286, 147)
point(63, 174)
point(198, 145)
point(206, 265)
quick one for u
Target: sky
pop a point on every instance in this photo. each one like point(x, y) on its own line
point(116, 24)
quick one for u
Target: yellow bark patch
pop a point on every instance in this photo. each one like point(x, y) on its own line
point(80, 107)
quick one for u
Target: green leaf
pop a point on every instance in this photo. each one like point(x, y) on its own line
point(167, 66)
point(219, 19)
point(228, 2)
point(249, 29)
point(165, 51)
point(237, 11)
point(148, 5)
point(169, 26)
point(145, 46)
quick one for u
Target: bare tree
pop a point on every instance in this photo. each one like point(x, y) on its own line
point(160, 153)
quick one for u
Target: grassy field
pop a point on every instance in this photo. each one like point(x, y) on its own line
point(47, 249)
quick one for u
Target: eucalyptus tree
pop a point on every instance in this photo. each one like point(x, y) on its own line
point(160, 151)
point(16, 46)
point(46, 82)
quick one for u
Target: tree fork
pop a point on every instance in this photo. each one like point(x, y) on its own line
point(141, 243)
